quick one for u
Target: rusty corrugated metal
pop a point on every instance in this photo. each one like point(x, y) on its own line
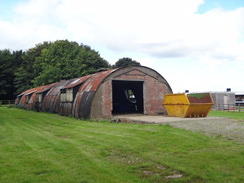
point(22, 102)
point(83, 90)
point(44, 89)
point(32, 100)
point(77, 81)
point(51, 102)
point(82, 103)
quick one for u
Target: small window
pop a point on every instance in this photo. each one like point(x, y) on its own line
point(39, 97)
point(18, 98)
point(63, 95)
point(69, 95)
point(66, 95)
point(27, 98)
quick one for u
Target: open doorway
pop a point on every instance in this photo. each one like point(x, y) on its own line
point(127, 97)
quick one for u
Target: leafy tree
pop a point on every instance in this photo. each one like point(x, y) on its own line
point(5, 71)
point(9, 62)
point(66, 60)
point(125, 62)
point(26, 73)
point(46, 63)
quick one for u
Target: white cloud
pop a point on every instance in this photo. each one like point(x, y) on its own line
point(158, 33)
point(157, 27)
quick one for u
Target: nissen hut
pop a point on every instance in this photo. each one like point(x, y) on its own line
point(126, 90)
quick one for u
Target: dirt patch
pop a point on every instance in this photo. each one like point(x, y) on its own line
point(156, 174)
point(174, 176)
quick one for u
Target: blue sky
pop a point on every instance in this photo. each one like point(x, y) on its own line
point(224, 4)
point(196, 45)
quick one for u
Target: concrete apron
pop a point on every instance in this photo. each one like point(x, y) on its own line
point(154, 119)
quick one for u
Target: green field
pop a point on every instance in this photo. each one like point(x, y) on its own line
point(231, 114)
point(41, 147)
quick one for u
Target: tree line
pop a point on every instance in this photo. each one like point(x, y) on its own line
point(49, 62)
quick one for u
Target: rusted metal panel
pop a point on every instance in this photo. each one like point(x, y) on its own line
point(95, 80)
point(78, 94)
point(85, 104)
point(51, 102)
point(22, 101)
point(83, 100)
point(17, 100)
point(28, 98)
point(77, 81)
point(65, 108)
point(43, 91)
point(85, 87)
point(45, 88)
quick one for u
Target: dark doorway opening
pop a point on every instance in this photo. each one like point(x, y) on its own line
point(127, 97)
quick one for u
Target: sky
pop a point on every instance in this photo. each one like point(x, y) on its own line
point(196, 45)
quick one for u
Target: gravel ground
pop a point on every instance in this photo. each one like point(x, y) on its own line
point(211, 126)
point(224, 127)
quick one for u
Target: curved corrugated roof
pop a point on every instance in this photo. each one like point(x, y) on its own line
point(82, 103)
point(77, 81)
point(33, 91)
point(95, 80)
point(84, 89)
point(51, 101)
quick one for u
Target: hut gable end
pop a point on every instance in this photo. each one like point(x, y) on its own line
point(132, 75)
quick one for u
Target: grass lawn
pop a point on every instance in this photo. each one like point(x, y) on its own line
point(232, 115)
point(41, 147)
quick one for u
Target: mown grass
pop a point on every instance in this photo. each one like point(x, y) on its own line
point(231, 114)
point(41, 147)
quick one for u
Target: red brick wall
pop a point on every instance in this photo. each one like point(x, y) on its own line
point(107, 98)
point(153, 93)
